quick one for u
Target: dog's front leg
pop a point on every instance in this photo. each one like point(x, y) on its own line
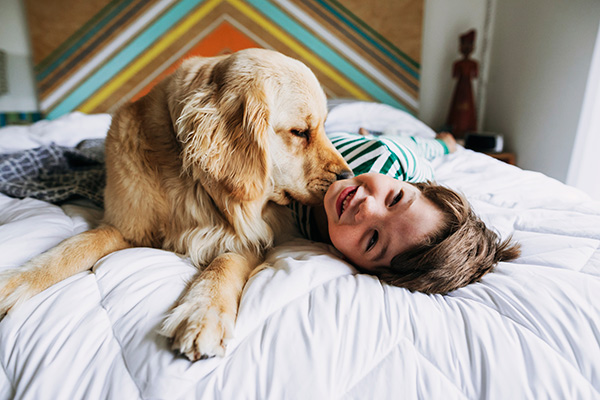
point(202, 322)
point(73, 255)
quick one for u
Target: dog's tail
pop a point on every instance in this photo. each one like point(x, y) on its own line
point(71, 256)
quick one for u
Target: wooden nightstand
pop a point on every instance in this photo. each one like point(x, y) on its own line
point(508, 158)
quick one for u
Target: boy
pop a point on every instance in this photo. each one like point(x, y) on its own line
point(391, 221)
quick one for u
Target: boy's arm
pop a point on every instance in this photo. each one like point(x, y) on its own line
point(413, 165)
point(430, 149)
point(397, 156)
point(448, 140)
point(444, 143)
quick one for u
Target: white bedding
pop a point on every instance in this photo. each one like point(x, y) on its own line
point(309, 327)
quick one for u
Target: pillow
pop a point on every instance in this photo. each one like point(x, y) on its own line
point(67, 130)
point(349, 116)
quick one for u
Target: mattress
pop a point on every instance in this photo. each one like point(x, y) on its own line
point(309, 325)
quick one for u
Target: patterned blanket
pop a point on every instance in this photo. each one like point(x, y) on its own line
point(54, 173)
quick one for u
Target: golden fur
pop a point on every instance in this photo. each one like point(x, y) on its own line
point(202, 166)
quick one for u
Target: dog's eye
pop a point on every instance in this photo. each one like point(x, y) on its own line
point(303, 133)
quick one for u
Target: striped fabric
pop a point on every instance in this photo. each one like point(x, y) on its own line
point(19, 118)
point(402, 157)
point(94, 55)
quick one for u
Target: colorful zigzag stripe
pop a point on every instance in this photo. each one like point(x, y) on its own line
point(126, 46)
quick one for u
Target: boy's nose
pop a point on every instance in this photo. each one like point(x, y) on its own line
point(366, 209)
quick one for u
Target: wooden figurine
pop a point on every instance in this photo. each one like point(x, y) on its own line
point(462, 117)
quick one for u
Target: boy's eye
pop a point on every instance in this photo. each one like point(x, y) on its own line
point(373, 240)
point(397, 198)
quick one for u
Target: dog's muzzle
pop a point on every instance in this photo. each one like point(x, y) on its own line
point(347, 174)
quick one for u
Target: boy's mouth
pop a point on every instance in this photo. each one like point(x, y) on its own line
point(344, 199)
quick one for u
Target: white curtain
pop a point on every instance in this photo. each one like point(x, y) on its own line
point(584, 168)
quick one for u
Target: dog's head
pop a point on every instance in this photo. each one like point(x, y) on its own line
point(252, 123)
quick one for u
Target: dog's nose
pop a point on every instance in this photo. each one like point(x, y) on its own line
point(347, 174)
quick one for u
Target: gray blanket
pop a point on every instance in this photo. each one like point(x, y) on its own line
point(54, 173)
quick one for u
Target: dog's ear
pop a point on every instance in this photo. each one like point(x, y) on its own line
point(225, 136)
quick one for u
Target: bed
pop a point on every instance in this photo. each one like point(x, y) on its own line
point(310, 326)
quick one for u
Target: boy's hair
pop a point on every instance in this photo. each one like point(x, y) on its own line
point(459, 253)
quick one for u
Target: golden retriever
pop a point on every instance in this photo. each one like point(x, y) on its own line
point(203, 166)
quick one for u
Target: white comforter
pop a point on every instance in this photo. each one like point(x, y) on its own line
point(309, 327)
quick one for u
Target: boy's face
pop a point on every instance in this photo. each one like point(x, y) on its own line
point(373, 217)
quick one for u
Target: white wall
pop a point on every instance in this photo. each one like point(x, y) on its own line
point(540, 61)
point(585, 163)
point(14, 41)
point(444, 22)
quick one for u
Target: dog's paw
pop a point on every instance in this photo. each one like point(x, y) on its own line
point(200, 327)
point(14, 289)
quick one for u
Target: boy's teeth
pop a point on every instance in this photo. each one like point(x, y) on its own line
point(347, 199)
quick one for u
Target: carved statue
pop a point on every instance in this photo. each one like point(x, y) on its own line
point(462, 117)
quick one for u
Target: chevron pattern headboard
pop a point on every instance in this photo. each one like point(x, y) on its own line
point(93, 55)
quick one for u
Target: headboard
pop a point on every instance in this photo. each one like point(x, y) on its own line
point(93, 55)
